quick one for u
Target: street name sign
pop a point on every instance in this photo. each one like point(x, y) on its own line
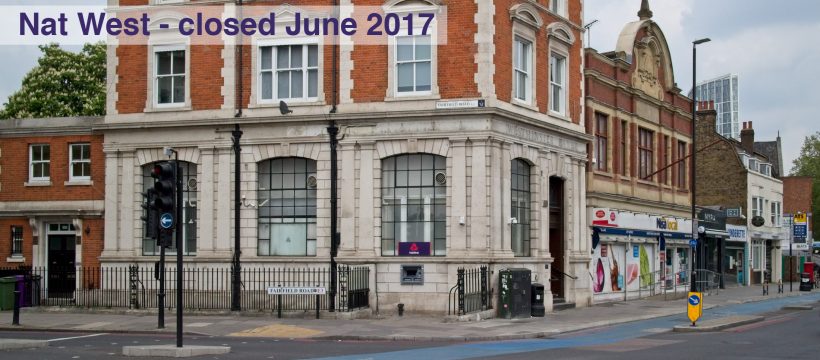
point(296, 291)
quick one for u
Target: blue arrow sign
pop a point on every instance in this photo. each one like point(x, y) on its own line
point(694, 300)
point(693, 243)
point(166, 220)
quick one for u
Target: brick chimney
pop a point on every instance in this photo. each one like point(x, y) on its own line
point(747, 138)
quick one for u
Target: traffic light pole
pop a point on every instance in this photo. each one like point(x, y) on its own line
point(161, 295)
point(178, 228)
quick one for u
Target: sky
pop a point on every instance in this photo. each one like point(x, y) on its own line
point(773, 50)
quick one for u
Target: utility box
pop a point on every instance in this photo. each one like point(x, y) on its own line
point(537, 300)
point(514, 291)
point(805, 282)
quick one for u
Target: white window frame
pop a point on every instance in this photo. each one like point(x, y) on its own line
point(155, 77)
point(32, 162)
point(562, 103)
point(414, 61)
point(17, 243)
point(776, 215)
point(72, 161)
point(274, 44)
point(392, 93)
point(757, 206)
point(754, 165)
point(559, 7)
point(519, 43)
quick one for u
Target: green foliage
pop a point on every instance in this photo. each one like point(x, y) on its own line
point(63, 83)
point(808, 164)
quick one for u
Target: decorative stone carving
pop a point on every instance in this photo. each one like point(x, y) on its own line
point(645, 77)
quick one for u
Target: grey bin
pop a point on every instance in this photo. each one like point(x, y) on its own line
point(538, 300)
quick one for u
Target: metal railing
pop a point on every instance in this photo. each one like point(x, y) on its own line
point(137, 287)
point(471, 292)
point(707, 281)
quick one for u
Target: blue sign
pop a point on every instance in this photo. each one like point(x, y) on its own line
point(166, 220)
point(694, 300)
point(693, 243)
point(800, 230)
point(635, 251)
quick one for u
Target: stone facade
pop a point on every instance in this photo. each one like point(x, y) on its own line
point(477, 142)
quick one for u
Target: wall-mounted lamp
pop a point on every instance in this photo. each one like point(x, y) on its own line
point(87, 230)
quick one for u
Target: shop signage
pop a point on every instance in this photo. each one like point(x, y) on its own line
point(800, 218)
point(736, 233)
point(414, 249)
point(734, 212)
point(610, 218)
point(712, 219)
point(800, 231)
point(635, 251)
point(643, 233)
point(604, 250)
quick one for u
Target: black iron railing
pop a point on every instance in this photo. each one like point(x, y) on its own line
point(471, 292)
point(137, 287)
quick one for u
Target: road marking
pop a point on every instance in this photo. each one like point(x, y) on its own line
point(199, 324)
point(78, 337)
point(279, 330)
point(92, 325)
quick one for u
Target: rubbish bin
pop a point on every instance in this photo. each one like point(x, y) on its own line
point(538, 300)
point(25, 299)
point(7, 285)
point(805, 282)
point(34, 282)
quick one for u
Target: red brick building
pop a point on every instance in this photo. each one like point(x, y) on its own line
point(473, 150)
point(638, 182)
point(52, 176)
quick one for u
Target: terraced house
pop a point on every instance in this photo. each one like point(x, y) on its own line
point(459, 155)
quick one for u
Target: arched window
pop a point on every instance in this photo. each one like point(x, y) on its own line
point(414, 191)
point(189, 212)
point(286, 196)
point(520, 195)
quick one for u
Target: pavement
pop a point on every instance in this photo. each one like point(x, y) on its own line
point(408, 327)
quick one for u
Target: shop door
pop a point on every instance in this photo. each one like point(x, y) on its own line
point(61, 271)
point(556, 234)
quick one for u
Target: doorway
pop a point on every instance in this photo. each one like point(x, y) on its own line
point(556, 236)
point(62, 274)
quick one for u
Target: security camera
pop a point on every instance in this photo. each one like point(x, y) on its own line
point(513, 220)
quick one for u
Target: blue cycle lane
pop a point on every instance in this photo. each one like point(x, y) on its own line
point(592, 337)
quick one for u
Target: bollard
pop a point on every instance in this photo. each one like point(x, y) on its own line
point(15, 319)
point(765, 288)
point(279, 306)
point(317, 305)
point(401, 309)
point(779, 286)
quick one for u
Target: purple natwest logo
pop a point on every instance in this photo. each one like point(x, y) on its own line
point(414, 249)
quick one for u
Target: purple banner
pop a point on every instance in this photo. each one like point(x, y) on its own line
point(414, 249)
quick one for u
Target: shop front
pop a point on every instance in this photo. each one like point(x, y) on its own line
point(638, 255)
point(735, 256)
point(712, 252)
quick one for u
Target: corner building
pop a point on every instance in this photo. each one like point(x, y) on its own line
point(467, 154)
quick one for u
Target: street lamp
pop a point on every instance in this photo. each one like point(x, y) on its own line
point(693, 286)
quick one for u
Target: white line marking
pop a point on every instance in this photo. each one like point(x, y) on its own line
point(78, 337)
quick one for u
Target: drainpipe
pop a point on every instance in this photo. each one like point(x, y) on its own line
point(333, 132)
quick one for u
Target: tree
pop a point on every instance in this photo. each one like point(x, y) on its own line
point(64, 83)
point(808, 164)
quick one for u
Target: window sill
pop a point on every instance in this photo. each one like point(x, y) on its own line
point(524, 104)
point(290, 102)
point(16, 259)
point(647, 183)
point(603, 174)
point(559, 116)
point(78, 183)
point(411, 97)
point(37, 183)
point(174, 108)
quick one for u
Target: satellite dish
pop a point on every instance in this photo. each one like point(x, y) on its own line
point(283, 108)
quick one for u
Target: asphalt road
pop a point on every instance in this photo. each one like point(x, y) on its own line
point(784, 334)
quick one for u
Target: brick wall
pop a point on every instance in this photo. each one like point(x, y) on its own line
point(5, 241)
point(15, 165)
point(721, 177)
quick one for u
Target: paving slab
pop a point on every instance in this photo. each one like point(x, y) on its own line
point(171, 350)
point(719, 324)
point(9, 344)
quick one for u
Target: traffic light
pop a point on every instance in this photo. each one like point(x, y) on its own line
point(151, 218)
point(165, 200)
